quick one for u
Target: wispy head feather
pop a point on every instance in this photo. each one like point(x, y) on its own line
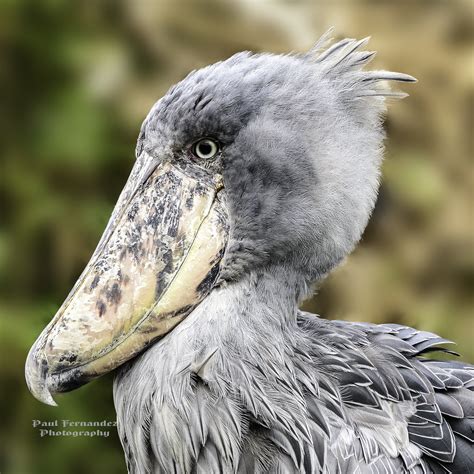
point(343, 61)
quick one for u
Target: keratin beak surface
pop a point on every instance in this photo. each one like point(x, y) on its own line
point(158, 258)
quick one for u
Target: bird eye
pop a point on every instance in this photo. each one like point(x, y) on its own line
point(205, 148)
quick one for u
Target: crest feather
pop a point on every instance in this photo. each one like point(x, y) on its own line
point(344, 62)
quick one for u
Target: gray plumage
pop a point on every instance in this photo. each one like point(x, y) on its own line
point(247, 382)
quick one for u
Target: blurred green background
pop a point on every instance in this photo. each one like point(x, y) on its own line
point(76, 80)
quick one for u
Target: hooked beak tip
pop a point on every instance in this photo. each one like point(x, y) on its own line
point(36, 373)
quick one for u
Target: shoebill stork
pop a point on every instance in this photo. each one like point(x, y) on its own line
point(254, 178)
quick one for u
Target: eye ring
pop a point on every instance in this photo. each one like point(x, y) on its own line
point(205, 148)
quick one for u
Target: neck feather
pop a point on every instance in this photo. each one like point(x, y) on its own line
point(262, 299)
point(245, 333)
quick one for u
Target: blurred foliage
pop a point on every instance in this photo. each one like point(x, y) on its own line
point(77, 78)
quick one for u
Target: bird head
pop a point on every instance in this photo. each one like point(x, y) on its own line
point(256, 162)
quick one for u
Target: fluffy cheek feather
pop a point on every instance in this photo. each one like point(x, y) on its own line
point(300, 194)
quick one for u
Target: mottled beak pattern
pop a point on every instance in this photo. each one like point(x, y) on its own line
point(158, 258)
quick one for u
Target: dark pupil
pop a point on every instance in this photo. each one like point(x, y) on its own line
point(205, 148)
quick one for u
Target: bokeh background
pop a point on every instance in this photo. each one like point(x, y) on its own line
point(76, 80)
